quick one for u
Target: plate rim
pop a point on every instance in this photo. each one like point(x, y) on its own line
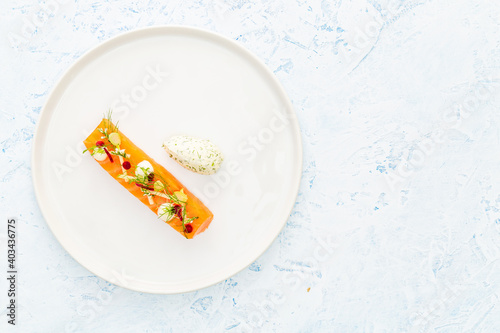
point(44, 120)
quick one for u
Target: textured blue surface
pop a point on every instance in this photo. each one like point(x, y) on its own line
point(397, 224)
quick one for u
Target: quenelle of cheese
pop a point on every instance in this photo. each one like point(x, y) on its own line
point(195, 154)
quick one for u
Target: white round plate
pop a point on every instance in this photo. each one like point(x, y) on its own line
point(159, 82)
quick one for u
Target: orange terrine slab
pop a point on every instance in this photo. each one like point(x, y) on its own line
point(190, 215)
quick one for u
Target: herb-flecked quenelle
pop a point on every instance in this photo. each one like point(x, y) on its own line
point(147, 180)
point(195, 154)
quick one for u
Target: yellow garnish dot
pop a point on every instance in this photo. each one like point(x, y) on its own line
point(115, 139)
point(158, 186)
point(181, 196)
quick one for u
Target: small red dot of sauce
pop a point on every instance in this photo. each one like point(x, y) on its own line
point(189, 228)
point(99, 143)
point(126, 165)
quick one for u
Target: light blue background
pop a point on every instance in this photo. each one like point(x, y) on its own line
point(397, 224)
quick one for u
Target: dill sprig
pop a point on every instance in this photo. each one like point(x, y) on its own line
point(120, 153)
point(112, 127)
point(169, 211)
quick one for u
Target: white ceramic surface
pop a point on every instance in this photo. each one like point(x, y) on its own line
point(165, 81)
